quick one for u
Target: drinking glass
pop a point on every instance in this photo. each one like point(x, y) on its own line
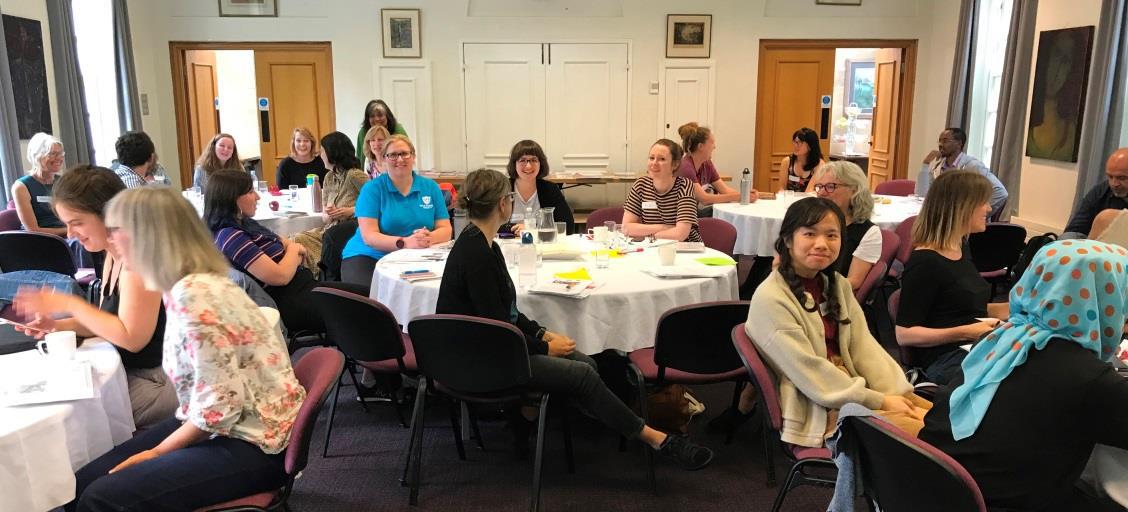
point(561, 229)
point(293, 192)
point(602, 256)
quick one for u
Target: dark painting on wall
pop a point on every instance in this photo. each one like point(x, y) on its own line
point(1061, 75)
point(24, 39)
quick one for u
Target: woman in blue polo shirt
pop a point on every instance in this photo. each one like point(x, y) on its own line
point(398, 210)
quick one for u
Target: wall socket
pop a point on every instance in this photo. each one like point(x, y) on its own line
point(653, 87)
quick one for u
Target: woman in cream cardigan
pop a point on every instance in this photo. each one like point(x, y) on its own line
point(811, 331)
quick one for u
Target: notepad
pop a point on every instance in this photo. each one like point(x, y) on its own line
point(685, 272)
point(45, 380)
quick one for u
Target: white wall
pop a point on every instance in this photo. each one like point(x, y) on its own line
point(37, 10)
point(1048, 186)
point(352, 26)
point(238, 111)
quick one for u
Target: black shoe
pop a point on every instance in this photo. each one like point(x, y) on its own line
point(689, 455)
point(730, 419)
point(372, 394)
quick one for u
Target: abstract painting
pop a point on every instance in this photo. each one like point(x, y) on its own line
point(24, 38)
point(1061, 75)
point(401, 33)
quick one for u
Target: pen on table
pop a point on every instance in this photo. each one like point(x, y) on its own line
point(420, 271)
point(628, 251)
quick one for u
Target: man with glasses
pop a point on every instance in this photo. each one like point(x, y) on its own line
point(949, 156)
point(1107, 195)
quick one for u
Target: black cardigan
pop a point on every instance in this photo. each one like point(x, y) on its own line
point(476, 283)
point(550, 196)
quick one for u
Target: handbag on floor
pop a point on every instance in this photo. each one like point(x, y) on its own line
point(671, 407)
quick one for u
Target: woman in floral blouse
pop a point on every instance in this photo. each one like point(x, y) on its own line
point(237, 393)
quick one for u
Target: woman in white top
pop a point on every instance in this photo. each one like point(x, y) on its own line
point(845, 184)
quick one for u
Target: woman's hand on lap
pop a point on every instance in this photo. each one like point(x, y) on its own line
point(559, 345)
point(137, 458)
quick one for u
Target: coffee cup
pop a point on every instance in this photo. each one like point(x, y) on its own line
point(666, 254)
point(58, 345)
point(600, 233)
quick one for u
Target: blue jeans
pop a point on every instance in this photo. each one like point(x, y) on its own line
point(206, 473)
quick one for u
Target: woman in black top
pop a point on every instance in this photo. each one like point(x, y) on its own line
point(527, 168)
point(477, 283)
point(128, 315)
point(1037, 394)
point(942, 294)
point(798, 169)
point(302, 161)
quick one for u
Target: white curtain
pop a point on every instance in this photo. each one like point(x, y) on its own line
point(74, 123)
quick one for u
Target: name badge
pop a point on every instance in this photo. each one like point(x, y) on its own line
point(649, 205)
point(43, 199)
point(792, 177)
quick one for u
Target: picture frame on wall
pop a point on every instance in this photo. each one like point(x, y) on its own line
point(400, 33)
point(248, 8)
point(1057, 105)
point(689, 36)
point(838, 2)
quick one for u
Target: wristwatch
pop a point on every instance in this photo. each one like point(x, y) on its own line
point(540, 334)
point(399, 243)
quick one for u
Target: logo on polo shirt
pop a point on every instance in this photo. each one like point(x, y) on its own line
point(427, 203)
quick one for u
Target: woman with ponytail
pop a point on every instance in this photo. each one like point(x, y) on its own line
point(811, 331)
point(697, 167)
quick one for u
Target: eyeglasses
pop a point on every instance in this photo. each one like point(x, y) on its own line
point(829, 187)
point(512, 197)
point(57, 154)
point(397, 156)
point(529, 161)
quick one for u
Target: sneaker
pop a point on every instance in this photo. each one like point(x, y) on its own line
point(372, 394)
point(730, 419)
point(689, 455)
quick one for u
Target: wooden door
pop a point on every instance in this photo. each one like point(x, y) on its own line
point(791, 84)
point(504, 97)
point(686, 95)
point(298, 83)
point(203, 118)
point(886, 109)
point(586, 100)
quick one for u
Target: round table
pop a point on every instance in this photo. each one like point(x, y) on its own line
point(42, 445)
point(621, 313)
point(1107, 471)
point(292, 217)
point(757, 224)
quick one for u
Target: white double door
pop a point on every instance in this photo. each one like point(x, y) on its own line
point(570, 98)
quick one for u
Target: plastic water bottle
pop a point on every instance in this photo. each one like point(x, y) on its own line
point(314, 187)
point(745, 187)
point(530, 219)
point(527, 261)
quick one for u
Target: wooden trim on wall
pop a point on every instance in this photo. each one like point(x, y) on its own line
point(176, 51)
point(908, 83)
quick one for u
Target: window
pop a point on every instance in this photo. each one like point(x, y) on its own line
point(990, 48)
point(93, 27)
point(860, 80)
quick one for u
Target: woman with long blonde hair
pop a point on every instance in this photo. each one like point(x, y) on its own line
point(220, 154)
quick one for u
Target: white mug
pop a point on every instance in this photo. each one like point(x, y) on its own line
point(667, 253)
point(600, 233)
point(58, 345)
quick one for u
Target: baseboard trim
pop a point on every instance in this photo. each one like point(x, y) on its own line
point(1035, 228)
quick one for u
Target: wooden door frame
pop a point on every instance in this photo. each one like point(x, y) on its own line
point(908, 83)
point(177, 49)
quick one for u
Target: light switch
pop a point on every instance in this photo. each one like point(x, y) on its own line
point(144, 104)
point(654, 87)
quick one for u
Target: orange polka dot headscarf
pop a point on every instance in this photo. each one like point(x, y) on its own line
point(1073, 291)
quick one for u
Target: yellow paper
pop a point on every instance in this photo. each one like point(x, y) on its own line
point(717, 260)
point(611, 253)
point(580, 274)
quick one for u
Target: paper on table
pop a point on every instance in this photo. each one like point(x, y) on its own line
point(685, 272)
point(45, 380)
point(580, 274)
point(717, 260)
point(562, 287)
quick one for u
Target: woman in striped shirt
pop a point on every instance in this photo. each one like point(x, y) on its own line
point(661, 204)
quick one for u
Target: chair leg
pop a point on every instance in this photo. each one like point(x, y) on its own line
point(566, 427)
point(456, 427)
point(735, 403)
point(416, 423)
point(474, 431)
point(538, 459)
point(786, 488)
point(769, 451)
point(356, 384)
point(640, 385)
point(332, 413)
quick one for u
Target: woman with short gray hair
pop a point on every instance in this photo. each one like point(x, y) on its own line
point(846, 185)
point(32, 193)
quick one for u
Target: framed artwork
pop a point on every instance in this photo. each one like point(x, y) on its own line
point(401, 33)
point(838, 2)
point(688, 35)
point(248, 8)
point(1061, 75)
point(24, 38)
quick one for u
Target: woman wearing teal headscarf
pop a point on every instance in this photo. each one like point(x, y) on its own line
point(1037, 393)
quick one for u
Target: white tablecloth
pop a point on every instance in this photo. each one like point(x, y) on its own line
point(1108, 472)
point(621, 314)
point(757, 224)
point(292, 217)
point(41, 446)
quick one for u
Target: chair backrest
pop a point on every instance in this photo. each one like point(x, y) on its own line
point(905, 233)
point(760, 374)
point(333, 241)
point(875, 275)
point(908, 357)
point(470, 354)
point(598, 217)
point(887, 454)
point(998, 247)
point(895, 188)
point(697, 339)
point(10, 221)
point(317, 370)
point(362, 328)
point(717, 234)
point(890, 246)
point(27, 250)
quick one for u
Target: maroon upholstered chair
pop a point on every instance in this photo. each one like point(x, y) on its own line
point(717, 234)
point(895, 188)
point(887, 454)
point(367, 333)
point(10, 221)
point(598, 217)
point(890, 243)
point(28, 250)
point(904, 231)
point(803, 458)
point(317, 371)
